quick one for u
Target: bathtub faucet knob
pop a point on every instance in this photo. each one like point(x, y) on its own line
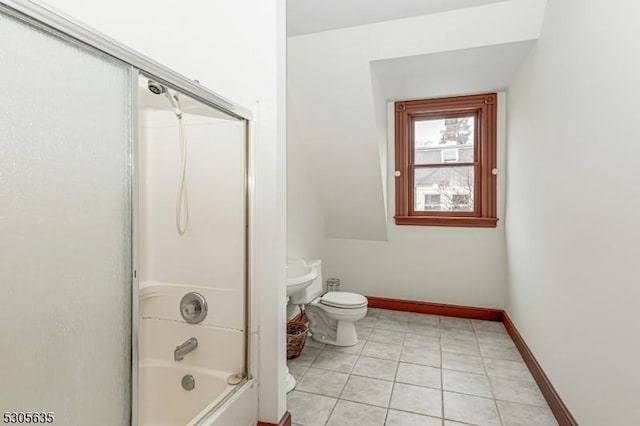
point(193, 307)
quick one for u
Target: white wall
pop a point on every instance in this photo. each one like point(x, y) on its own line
point(236, 49)
point(305, 222)
point(463, 266)
point(573, 204)
point(337, 100)
point(339, 85)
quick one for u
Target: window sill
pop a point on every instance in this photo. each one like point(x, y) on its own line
point(469, 222)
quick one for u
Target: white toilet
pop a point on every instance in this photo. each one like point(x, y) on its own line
point(332, 316)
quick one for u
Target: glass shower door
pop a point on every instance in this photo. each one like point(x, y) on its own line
point(65, 229)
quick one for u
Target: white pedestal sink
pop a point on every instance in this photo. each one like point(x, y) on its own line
point(299, 276)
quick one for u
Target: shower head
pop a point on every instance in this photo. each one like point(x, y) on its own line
point(156, 88)
point(159, 89)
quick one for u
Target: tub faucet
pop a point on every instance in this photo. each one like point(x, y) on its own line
point(185, 348)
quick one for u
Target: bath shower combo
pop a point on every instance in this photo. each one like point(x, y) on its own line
point(106, 241)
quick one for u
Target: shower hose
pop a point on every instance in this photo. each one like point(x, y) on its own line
point(182, 203)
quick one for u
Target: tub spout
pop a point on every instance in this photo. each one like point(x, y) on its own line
point(185, 348)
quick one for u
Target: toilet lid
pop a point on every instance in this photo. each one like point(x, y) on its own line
point(343, 299)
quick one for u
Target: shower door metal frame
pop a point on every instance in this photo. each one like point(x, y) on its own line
point(135, 244)
point(46, 18)
point(61, 23)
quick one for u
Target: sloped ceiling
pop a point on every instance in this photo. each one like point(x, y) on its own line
point(456, 72)
point(311, 16)
point(340, 81)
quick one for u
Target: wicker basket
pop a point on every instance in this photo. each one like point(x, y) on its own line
point(296, 336)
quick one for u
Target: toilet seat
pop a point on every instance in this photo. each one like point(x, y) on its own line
point(344, 300)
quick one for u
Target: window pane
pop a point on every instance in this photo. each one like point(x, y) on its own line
point(444, 189)
point(447, 140)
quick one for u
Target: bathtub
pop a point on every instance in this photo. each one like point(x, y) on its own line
point(162, 401)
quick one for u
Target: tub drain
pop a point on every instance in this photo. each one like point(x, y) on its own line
point(188, 382)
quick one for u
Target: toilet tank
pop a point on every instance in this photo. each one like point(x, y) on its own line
point(314, 289)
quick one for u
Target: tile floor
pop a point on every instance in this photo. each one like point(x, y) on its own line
point(414, 369)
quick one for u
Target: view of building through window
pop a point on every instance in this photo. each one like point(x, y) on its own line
point(438, 142)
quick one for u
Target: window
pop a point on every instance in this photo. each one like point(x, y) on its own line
point(449, 155)
point(432, 201)
point(445, 161)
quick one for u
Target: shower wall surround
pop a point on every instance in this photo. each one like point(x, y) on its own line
point(209, 258)
point(211, 254)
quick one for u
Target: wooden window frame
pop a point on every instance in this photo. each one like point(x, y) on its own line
point(483, 107)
